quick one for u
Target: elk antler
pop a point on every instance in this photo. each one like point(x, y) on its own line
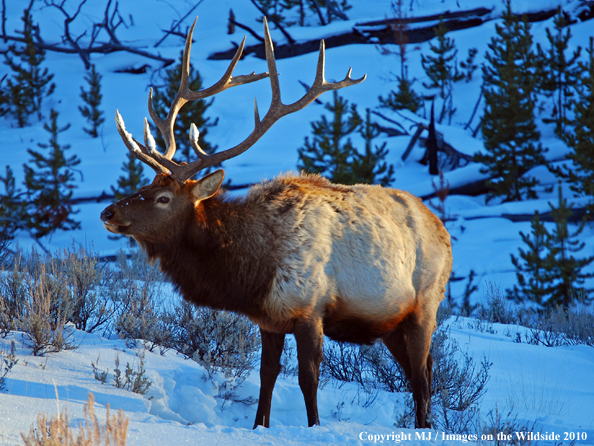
point(163, 163)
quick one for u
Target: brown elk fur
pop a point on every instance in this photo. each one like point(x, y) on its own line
point(301, 255)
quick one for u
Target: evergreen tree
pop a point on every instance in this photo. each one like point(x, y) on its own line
point(92, 98)
point(441, 68)
point(559, 73)
point(275, 9)
point(132, 179)
point(469, 66)
point(329, 154)
point(192, 112)
point(511, 138)
point(581, 138)
point(549, 273)
point(404, 98)
point(29, 84)
point(50, 184)
point(371, 167)
point(532, 270)
point(12, 210)
point(566, 270)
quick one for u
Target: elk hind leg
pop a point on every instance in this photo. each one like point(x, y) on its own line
point(409, 343)
point(309, 338)
point(272, 349)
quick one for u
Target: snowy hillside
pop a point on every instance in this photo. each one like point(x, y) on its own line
point(548, 389)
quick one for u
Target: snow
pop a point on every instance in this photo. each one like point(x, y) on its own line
point(549, 388)
point(545, 385)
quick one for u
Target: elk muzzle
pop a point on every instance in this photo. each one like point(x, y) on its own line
point(107, 218)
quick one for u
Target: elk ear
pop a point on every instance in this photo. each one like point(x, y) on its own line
point(209, 185)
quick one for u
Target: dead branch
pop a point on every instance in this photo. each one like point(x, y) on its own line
point(175, 25)
point(278, 25)
point(318, 10)
point(246, 28)
point(72, 44)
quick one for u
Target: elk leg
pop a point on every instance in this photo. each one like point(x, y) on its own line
point(272, 349)
point(395, 342)
point(409, 343)
point(309, 337)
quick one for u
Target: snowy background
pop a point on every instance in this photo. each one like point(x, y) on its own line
point(551, 389)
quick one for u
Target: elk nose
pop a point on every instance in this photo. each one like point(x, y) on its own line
point(107, 213)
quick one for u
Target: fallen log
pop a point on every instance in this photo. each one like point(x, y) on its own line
point(380, 32)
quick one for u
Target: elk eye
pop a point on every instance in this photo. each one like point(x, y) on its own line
point(163, 200)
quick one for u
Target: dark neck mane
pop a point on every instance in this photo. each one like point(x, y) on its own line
point(212, 262)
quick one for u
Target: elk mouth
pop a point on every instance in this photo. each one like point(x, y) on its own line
point(107, 217)
point(116, 229)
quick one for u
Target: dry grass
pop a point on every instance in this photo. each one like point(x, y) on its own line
point(57, 431)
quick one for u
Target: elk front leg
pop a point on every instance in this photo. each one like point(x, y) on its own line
point(309, 337)
point(272, 349)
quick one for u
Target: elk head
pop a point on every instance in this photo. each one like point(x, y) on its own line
point(157, 206)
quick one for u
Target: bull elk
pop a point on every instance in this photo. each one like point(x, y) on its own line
point(297, 254)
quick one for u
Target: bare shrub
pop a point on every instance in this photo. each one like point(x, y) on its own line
point(84, 274)
point(371, 366)
point(132, 380)
point(218, 340)
point(458, 384)
point(139, 315)
point(496, 424)
point(57, 431)
point(13, 295)
point(135, 265)
point(7, 362)
point(344, 362)
point(457, 388)
point(37, 303)
point(387, 372)
point(562, 326)
point(40, 294)
point(497, 309)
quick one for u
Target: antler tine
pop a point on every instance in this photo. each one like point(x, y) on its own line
point(184, 94)
point(277, 109)
point(194, 135)
point(137, 149)
point(162, 163)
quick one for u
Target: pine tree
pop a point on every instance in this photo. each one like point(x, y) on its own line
point(371, 167)
point(50, 184)
point(132, 179)
point(192, 112)
point(12, 207)
point(566, 270)
point(559, 73)
point(581, 138)
point(549, 273)
point(404, 98)
point(327, 153)
point(532, 269)
point(92, 98)
point(29, 84)
point(274, 10)
point(441, 68)
point(511, 138)
point(468, 66)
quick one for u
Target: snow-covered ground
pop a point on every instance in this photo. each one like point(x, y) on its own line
point(550, 388)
